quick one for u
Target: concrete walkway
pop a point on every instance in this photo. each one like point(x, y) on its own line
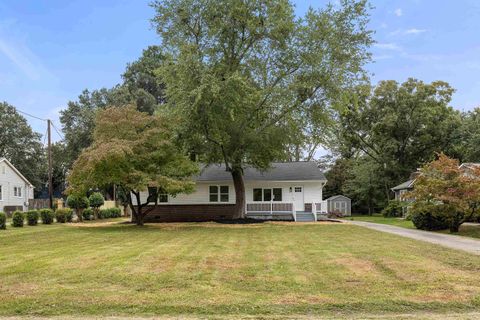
point(455, 242)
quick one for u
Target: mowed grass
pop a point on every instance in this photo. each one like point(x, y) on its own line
point(466, 230)
point(273, 269)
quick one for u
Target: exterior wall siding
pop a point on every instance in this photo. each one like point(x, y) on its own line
point(8, 181)
point(197, 206)
point(312, 192)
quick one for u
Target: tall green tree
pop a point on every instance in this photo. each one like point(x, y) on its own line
point(399, 126)
point(365, 185)
point(468, 146)
point(78, 121)
point(20, 145)
point(245, 76)
point(136, 152)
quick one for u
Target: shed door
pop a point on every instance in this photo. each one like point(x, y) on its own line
point(298, 198)
point(340, 206)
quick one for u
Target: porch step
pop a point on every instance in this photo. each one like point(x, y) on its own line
point(305, 217)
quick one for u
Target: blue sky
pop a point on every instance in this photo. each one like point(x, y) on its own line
point(51, 50)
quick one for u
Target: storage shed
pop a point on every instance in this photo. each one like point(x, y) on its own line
point(340, 204)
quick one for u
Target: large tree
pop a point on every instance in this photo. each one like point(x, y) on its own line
point(246, 76)
point(399, 126)
point(136, 152)
point(20, 145)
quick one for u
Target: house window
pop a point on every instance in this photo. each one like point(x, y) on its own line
point(17, 191)
point(219, 193)
point(163, 197)
point(267, 194)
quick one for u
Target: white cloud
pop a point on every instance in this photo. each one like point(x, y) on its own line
point(403, 32)
point(398, 12)
point(19, 57)
point(415, 31)
point(388, 46)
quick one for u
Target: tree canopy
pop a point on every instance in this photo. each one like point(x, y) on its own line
point(20, 145)
point(135, 151)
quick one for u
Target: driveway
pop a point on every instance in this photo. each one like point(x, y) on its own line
point(451, 241)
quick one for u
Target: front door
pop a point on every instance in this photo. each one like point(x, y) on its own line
point(298, 198)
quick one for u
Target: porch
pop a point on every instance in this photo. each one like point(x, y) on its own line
point(286, 211)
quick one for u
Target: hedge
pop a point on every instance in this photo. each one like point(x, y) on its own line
point(18, 219)
point(3, 221)
point(32, 217)
point(110, 213)
point(47, 216)
point(62, 215)
point(88, 214)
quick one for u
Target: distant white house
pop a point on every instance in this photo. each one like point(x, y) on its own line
point(15, 189)
point(286, 191)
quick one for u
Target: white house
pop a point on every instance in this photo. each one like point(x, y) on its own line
point(287, 191)
point(15, 189)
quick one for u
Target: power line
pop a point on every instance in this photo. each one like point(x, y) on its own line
point(30, 115)
point(58, 132)
point(45, 137)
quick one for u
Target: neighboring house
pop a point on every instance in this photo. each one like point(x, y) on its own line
point(15, 189)
point(408, 185)
point(287, 191)
point(340, 204)
point(403, 188)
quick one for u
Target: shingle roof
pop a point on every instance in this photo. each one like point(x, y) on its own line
point(406, 185)
point(279, 171)
point(337, 197)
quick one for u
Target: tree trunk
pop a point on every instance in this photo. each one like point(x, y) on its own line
point(79, 213)
point(239, 184)
point(138, 212)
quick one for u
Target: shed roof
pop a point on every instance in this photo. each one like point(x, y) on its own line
point(337, 197)
point(279, 171)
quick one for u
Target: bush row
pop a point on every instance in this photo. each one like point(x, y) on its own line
point(47, 216)
point(88, 214)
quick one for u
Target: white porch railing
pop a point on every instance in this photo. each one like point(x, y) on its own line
point(320, 208)
point(271, 208)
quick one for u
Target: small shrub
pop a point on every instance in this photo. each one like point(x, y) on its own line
point(62, 215)
point(427, 216)
point(115, 212)
point(109, 213)
point(104, 214)
point(18, 219)
point(79, 203)
point(335, 214)
point(393, 209)
point(88, 214)
point(32, 217)
point(68, 214)
point(3, 221)
point(47, 216)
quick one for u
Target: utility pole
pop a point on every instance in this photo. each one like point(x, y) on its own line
point(50, 179)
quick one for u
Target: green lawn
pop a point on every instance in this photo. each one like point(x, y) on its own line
point(273, 269)
point(465, 230)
